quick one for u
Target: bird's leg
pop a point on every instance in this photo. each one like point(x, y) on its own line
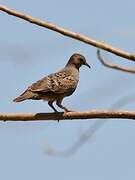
point(50, 103)
point(58, 102)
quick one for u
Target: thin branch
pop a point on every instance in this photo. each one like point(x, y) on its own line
point(87, 134)
point(67, 116)
point(103, 60)
point(70, 34)
point(83, 138)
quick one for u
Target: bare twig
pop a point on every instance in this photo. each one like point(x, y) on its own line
point(70, 34)
point(67, 116)
point(103, 60)
point(87, 134)
point(83, 138)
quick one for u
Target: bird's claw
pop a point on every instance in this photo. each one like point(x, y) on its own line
point(68, 110)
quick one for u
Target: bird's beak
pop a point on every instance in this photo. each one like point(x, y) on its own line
point(86, 64)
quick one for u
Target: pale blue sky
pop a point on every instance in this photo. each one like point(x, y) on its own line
point(28, 52)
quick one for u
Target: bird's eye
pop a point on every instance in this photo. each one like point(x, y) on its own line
point(81, 60)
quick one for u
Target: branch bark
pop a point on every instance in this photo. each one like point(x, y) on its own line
point(70, 34)
point(103, 60)
point(67, 116)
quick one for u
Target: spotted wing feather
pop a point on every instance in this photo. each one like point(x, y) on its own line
point(61, 82)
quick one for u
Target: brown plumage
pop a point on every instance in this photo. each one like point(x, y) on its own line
point(56, 86)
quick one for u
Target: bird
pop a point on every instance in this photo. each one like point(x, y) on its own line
point(56, 86)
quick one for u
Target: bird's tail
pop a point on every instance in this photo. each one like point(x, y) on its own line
point(19, 99)
point(23, 97)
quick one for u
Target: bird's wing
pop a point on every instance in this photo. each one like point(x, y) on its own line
point(60, 82)
point(39, 86)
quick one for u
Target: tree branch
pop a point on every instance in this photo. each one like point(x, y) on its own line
point(67, 116)
point(103, 60)
point(70, 34)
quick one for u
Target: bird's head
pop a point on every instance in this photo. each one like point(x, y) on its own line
point(77, 60)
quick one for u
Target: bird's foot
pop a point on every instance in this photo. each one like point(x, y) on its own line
point(68, 110)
